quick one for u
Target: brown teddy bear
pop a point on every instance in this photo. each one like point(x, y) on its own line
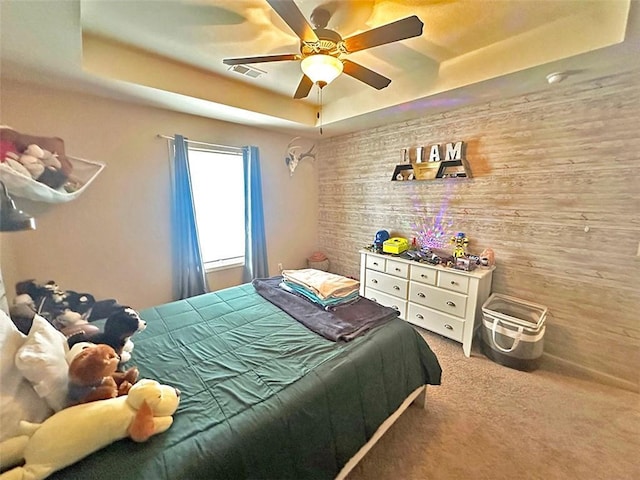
point(93, 374)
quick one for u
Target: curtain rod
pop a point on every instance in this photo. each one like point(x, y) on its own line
point(227, 147)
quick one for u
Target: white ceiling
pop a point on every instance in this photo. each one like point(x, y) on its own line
point(169, 54)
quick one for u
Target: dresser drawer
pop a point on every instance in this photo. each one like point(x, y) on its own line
point(438, 298)
point(376, 263)
point(398, 269)
point(387, 283)
point(387, 300)
point(440, 323)
point(453, 281)
point(424, 274)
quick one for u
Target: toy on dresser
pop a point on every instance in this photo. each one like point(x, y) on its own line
point(378, 241)
point(459, 241)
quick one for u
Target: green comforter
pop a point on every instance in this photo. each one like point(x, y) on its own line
point(262, 396)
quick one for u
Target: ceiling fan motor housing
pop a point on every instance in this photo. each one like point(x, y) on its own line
point(328, 43)
point(322, 50)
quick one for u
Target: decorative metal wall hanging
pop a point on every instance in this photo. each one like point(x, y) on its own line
point(294, 157)
point(442, 162)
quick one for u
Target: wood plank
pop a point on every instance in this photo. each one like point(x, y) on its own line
point(545, 166)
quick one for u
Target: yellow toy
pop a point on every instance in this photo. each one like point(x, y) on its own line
point(75, 432)
point(459, 241)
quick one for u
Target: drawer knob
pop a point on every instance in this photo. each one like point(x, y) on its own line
point(453, 282)
point(396, 287)
point(421, 295)
point(419, 317)
point(448, 327)
point(397, 269)
point(373, 280)
point(375, 263)
point(424, 276)
point(395, 307)
point(451, 304)
point(374, 300)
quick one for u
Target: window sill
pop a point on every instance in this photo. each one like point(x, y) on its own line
point(223, 265)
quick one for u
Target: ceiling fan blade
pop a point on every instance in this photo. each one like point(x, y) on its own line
point(261, 59)
point(365, 75)
point(304, 87)
point(391, 32)
point(292, 16)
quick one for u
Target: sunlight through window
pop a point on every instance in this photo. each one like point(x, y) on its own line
point(218, 191)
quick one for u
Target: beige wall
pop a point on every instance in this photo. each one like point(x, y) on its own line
point(113, 241)
point(546, 166)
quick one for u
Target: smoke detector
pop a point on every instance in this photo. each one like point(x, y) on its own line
point(247, 70)
point(556, 77)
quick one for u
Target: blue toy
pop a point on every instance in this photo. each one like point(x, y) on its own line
point(381, 237)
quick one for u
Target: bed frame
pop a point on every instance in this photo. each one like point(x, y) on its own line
point(418, 398)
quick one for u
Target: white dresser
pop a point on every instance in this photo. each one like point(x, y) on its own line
point(443, 300)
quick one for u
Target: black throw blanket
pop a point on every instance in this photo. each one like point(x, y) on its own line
point(343, 322)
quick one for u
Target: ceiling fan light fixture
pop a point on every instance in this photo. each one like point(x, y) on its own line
point(321, 68)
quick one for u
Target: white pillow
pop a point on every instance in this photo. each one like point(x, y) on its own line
point(18, 400)
point(41, 359)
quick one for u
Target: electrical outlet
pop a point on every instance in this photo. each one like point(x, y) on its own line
point(280, 267)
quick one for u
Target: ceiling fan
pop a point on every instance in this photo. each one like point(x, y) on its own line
point(322, 49)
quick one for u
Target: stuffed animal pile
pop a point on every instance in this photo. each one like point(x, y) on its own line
point(39, 158)
point(105, 401)
point(73, 433)
point(71, 313)
point(63, 308)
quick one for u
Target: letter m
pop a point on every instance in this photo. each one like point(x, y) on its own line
point(454, 151)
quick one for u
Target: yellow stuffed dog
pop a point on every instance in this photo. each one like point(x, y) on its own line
point(147, 410)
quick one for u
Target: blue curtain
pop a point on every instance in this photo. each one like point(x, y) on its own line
point(189, 277)
point(256, 265)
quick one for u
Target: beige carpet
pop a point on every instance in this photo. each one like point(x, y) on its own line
point(487, 421)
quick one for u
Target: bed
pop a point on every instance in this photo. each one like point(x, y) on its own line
point(262, 395)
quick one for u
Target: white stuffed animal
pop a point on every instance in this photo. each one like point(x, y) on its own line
point(147, 410)
point(33, 161)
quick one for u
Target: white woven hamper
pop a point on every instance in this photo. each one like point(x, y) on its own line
point(513, 331)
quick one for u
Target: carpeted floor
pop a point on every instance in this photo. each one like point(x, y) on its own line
point(487, 421)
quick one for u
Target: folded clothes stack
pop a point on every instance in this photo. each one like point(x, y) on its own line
point(323, 288)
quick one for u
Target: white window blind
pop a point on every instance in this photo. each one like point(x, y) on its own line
point(218, 191)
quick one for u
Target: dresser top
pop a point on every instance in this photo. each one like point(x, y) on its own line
point(479, 271)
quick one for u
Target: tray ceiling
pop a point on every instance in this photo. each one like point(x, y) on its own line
point(169, 54)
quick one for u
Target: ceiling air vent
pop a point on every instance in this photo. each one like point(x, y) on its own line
point(247, 71)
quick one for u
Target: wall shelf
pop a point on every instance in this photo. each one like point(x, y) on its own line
point(431, 170)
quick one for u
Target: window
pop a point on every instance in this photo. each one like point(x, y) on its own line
point(217, 182)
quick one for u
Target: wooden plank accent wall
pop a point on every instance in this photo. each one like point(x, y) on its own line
point(545, 166)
